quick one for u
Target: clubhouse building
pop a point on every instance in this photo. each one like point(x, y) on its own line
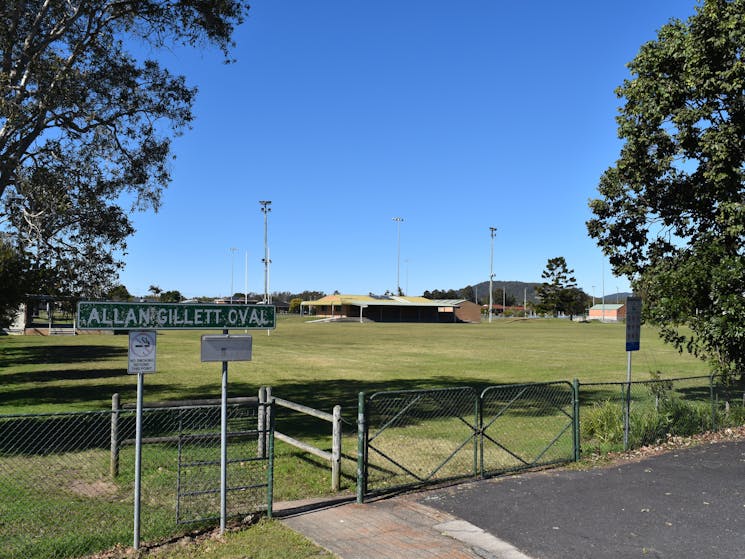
point(391, 308)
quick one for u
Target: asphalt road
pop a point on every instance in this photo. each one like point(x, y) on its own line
point(688, 503)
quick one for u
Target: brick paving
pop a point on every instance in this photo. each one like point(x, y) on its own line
point(384, 529)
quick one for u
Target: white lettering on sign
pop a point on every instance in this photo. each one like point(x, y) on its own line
point(133, 316)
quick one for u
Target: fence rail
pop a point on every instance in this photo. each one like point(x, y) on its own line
point(333, 457)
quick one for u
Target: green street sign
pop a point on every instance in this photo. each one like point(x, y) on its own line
point(106, 315)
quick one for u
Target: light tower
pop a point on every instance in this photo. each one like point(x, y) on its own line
point(232, 261)
point(265, 209)
point(493, 233)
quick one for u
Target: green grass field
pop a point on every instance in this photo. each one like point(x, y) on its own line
point(316, 364)
point(320, 364)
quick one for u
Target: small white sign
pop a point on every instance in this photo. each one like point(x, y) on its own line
point(228, 347)
point(141, 352)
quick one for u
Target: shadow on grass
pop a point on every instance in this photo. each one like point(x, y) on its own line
point(59, 354)
point(72, 394)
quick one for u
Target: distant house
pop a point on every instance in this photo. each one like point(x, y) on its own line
point(393, 309)
point(608, 313)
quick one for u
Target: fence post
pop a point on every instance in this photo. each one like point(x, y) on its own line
point(361, 447)
point(261, 427)
point(336, 449)
point(114, 460)
point(576, 426)
point(268, 417)
point(270, 469)
point(713, 403)
point(478, 449)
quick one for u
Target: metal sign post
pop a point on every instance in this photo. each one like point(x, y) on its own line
point(225, 348)
point(633, 336)
point(224, 446)
point(141, 358)
point(143, 320)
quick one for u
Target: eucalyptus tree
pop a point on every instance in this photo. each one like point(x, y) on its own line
point(86, 124)
point(671, 211)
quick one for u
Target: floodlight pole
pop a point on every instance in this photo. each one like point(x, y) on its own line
point(492, 232)
point(398, 221)
point(232, 268)
point(265, 209)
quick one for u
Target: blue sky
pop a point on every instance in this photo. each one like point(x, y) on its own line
point(455, 116)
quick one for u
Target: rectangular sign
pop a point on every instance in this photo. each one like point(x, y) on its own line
point(95, 315)
point(141, 354)
point(226, 348)
point(633, 323)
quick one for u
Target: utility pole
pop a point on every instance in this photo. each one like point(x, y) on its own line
point(492, 232)
point(265, 209)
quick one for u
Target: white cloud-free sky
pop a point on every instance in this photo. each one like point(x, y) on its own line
point(455, 116)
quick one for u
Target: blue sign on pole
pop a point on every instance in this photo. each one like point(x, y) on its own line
point(633, 323)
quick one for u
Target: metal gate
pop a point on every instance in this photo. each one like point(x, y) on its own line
point(249, 464)
point(527, 425)
point(417, 437)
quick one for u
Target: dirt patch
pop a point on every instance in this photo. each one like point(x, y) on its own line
point(95, 489)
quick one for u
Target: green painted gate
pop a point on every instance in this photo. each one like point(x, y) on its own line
point(418, 437)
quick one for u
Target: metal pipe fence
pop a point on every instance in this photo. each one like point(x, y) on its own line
point(59, 499)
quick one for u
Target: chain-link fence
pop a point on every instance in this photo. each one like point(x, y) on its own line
point(66, 479)
point(412, 438)
point(655, 409)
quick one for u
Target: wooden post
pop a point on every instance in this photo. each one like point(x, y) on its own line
point(114, 460)
point(336, 450)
